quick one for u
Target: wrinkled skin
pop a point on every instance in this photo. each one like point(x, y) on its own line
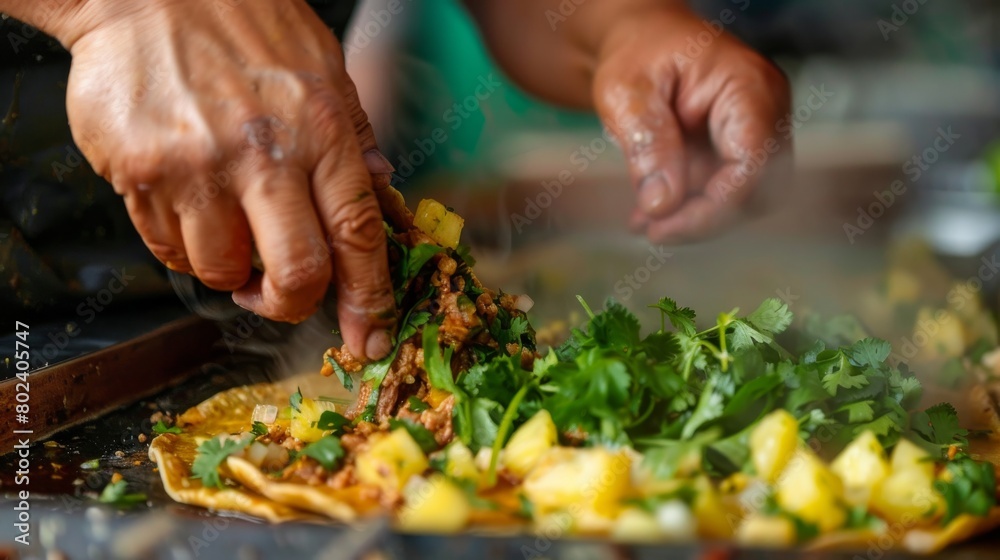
point(232, 125)
point(234, 128)
point(688, 125)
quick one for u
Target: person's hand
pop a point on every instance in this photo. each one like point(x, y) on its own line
point(233, 126)
point(697, 122)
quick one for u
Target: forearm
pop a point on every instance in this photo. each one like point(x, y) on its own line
point(551, 47)
point(67, 20)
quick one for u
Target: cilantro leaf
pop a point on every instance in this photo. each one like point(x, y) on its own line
point(331, 420)
point(295, 401)
point(771, 317)
point(259, 429)
point(211, 454)
point(860, 411)
point(615, 327)
point(327, 451)
point(162, 428)
point(414, 320)
point(116, 494)
point(870, 352)
point(939, 426)
point(682, 318)
point(843, 375)
point(710, 407)
point(464, 252)
point(420, 434)
point(418, 257)
point(970, 490)
point(345, 378)
point(417, 405)
point(438, 365)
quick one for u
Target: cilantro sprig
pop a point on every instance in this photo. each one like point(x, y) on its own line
point(211, 454)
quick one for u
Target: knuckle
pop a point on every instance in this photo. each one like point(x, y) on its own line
point(136, 165)
point(326, 112)
point(357, 224)
point(305, 274)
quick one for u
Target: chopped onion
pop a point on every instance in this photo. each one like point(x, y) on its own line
point(276, 458)
point(676, 521)
point(256, 453)
point(266, 413)
point(523, 303)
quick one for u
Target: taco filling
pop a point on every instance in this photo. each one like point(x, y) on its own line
point(680, 433)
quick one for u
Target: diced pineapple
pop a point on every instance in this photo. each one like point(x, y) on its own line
point(593, 479)
point(433, 505)
point(908, 456)
point(769, 532)
point(808, 489)
point(943, 332)
point(459, 462)
point(773, 442)
point(861, 466)
point(636, 525)
point(390, 461)
point(439, 223)
point(710, 512)
point(304, 421)
point(529, 442)
point(907, 497)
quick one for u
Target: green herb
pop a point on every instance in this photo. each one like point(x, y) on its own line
point(295, 401)
point(327, 451)
point(938, 428)
point(345, 378)
point(91, 465)
point(331, 420)
point(469, 488)
point(211, 455)
point(259, 429)
point(116, 494)
point(162, 428)
point(971, 490)
point(526, 509)
point(417, 405)
point(420, 434)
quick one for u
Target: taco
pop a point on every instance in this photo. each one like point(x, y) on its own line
point(719, 433)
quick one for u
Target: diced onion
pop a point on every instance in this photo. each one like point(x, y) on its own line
point(676, 521)
point(523, 303)
point(266, 413)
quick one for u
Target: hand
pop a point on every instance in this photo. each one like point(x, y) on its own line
point(697, 127)
point(229, 126)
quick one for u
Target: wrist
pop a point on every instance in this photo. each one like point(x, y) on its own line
point(65, 20)
point(631, 24)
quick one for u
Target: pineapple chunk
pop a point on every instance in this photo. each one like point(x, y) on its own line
point(943, 333)
point(636, 525)
point(773, 442)
point(808, 489)
point(768, 532)
point(861, 466)
point(908, 456)
point(459, 462)
point(434, 505)
point(390, 461)
point(908, 497)
point(304, 420)
point(594, 479)
point(529, 442)
point(710, 512)
point(439, 223)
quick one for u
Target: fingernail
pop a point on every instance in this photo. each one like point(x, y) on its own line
point(245, 301)
point(378, 345)
point(654, 195)
point(377, 163)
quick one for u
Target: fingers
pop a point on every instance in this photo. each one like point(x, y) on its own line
point(159, 228)
point(643, 120)
point(350, 213)
point(218, 244)
point(290, 242)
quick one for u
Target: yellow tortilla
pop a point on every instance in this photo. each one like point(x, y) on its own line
point(317, 499)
